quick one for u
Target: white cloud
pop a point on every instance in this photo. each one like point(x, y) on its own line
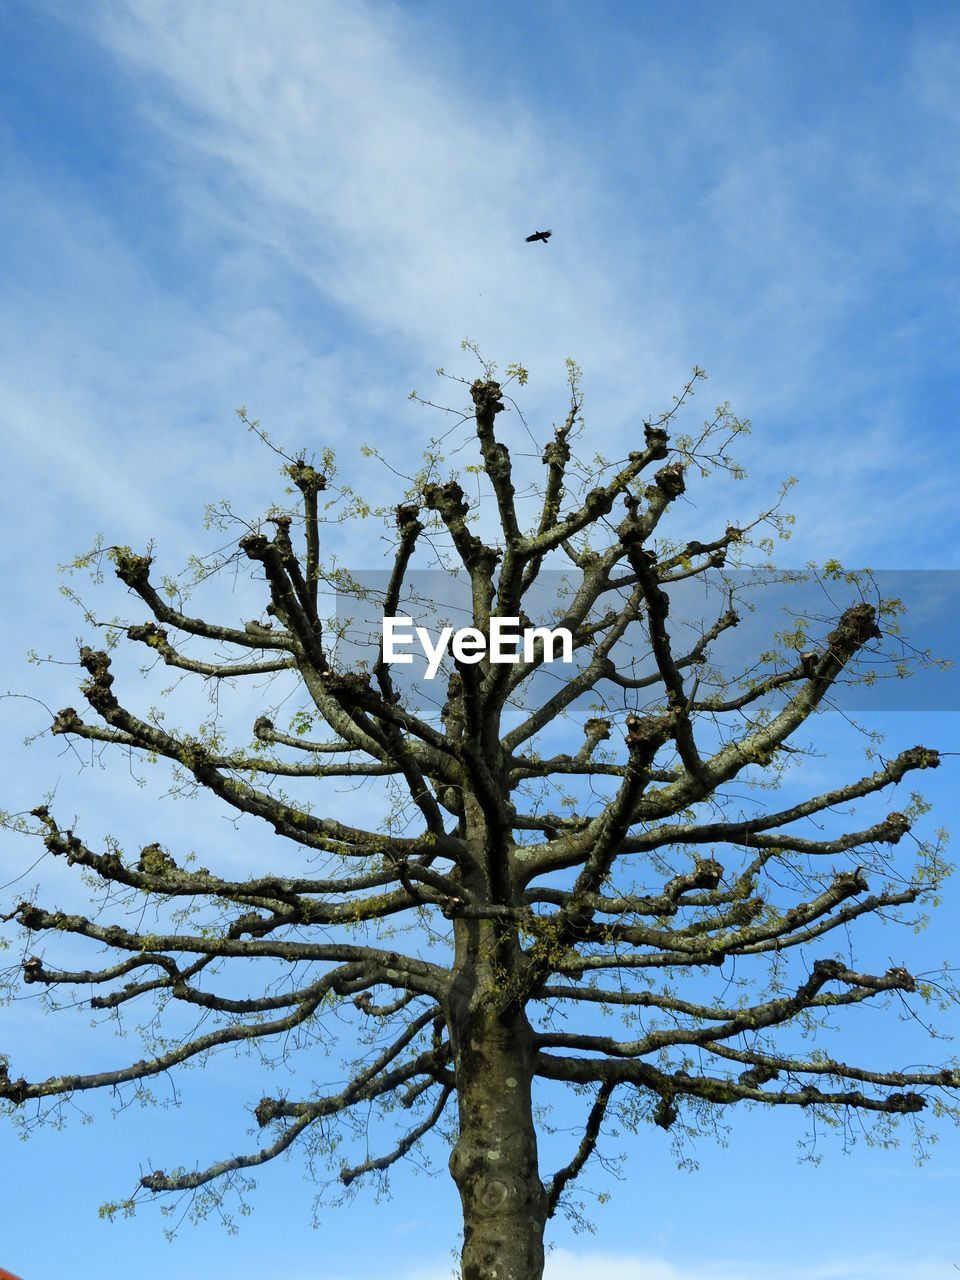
point(563, 1264)
point(343, 150)
point(355, 148)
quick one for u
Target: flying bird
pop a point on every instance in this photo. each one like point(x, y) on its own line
point(539, 235)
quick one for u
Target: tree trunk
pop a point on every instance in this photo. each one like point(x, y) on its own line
point(494, 1162)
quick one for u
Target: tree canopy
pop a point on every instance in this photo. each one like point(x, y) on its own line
point(529, 848)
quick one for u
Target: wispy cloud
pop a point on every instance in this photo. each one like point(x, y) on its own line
point(344, 148)
point(325, 197)
point(395, 192)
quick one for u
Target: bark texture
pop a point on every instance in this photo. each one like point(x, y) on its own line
point(494, 1160)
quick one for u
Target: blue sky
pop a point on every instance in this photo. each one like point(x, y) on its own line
point(304, 207)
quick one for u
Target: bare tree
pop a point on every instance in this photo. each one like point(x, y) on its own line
point(548, 845)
